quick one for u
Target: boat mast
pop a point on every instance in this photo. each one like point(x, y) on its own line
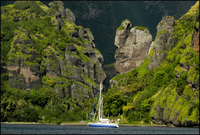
point(102, 108)
point(100, 101)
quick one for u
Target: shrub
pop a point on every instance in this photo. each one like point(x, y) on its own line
point(35, 8)
point(22, 5)
point(38, 98)
point(33, 5)
point(4, 76)
point(25, 114)
point(141, 28)
point(62, 46)
point(180, 85)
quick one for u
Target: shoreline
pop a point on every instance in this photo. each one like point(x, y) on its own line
point(85, 124)
point(82, 124)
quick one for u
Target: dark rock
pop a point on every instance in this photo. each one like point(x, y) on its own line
point(78, 63)
point(70, 16)
point(4, 11)
point(71, 48)
point(27, 41)
point(195, 35)
point(74, 34)
point(17, 81)
point(62, 12)
point(171, 42)
point(59, 3)
point(164, 41)
point(83, 34)
point(31, 17)
point(90, 36)
point(57, 20)
point(80, 33)
point(18, 41)
point(39, 37)
point(62, 23)
point(37, 15)
point(18, 12)
point(16, 19)
point(22, 18)
point(185, 66)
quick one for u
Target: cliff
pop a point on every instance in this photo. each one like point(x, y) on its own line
point(44, 47)
point(164, 89)
point(132, 46)
point(164, 41)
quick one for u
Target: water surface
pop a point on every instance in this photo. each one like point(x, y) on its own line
point(63, 129)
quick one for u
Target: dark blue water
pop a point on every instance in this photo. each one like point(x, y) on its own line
point(58, 129)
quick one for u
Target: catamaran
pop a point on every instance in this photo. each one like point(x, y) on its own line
point(100, 122)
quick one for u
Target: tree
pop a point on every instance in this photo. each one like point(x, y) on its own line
point(38, 98)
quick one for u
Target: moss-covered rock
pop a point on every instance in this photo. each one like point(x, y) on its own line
point(163, 41)
point(48, 49)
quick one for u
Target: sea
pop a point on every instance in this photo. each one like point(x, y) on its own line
point(65, 129)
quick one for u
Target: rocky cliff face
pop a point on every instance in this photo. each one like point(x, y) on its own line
point(132, 46)
point(181, 108)
point(48, 49)
point(195, 36)
point(167, 83)
point(164, 41)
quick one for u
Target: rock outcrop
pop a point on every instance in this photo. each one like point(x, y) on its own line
point(57, 9)
point(132, 46)
point(54, 52)
point(164, 41)
point(195, 36)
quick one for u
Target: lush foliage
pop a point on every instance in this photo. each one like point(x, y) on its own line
point(30, 23)
point(41, 105)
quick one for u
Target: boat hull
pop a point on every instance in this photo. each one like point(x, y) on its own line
point(101, 125)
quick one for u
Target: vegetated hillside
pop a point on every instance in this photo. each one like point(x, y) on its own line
point(165, 88)
point(50, 66)
point(104, 17)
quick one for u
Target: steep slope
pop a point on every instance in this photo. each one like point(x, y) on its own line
point(42, 48)
point(165, 88)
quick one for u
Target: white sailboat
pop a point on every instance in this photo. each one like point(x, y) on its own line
point(100, 122)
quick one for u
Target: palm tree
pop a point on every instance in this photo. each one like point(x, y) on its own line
point(21, 103)
point(7, 106)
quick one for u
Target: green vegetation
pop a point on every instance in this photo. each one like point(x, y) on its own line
point(121, 27)
point(160, 33)
point(29, 35)
point(33, 5)
point(40, 105)
point(141, 28)
point(107, 66)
